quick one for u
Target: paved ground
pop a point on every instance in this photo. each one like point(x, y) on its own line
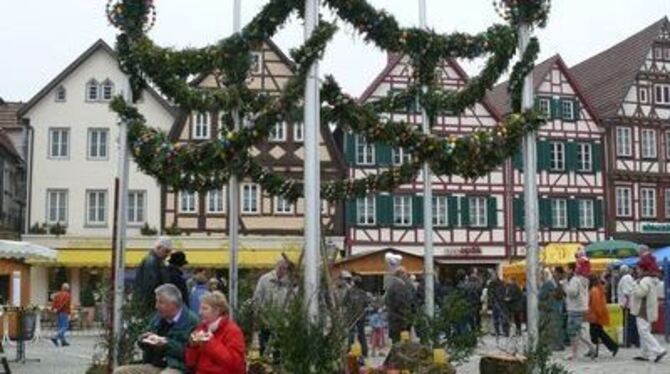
point(77, 358)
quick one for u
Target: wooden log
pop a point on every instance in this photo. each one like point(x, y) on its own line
point(499, 364)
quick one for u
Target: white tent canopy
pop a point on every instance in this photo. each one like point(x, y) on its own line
point(27, 251)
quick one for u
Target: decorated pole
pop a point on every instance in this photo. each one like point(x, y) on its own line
point(234, 196)
point(120, 234)
point(312, 176)
point(530, 198)
point(428, 263)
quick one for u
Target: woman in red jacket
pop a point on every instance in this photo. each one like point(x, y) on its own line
point(217, 344)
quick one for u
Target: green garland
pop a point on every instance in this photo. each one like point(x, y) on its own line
point(209, 164)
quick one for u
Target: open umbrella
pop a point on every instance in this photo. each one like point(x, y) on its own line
point(611, 249)
point(660, 255)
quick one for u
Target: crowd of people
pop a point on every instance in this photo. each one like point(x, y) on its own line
point(192, 330)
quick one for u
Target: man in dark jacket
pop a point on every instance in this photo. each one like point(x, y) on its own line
point(152, 272)
point(176, 263)
point(500, 314)
point(400, 304)
point(356, 302)
point(163, 344)
point(514, 299)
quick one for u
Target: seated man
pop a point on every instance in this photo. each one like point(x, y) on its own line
point(165, 340)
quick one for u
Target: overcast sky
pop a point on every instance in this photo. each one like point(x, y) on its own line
point(39, 38)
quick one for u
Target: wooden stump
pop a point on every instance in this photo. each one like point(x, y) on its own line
point(499, 364)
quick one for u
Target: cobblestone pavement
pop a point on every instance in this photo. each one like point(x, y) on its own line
point(77, 358)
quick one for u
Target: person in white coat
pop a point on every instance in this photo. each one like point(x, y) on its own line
point(576, 289)
point(624, 290)
point(644, 305)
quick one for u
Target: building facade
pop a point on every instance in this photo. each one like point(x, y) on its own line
point(469, 219)
point(73, 161)
point(570, 159)
point(268, 225)
point(12, 172)
point(629, 86)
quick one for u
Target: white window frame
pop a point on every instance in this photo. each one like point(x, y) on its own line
point(106, 90)
point(96, 203)
point(667, 54)
point(256, 63)
point(216, 201)
point(188, 202)
point(568, 115)
point(440, 211)
point(557, 149)
point(62, 198)
point(282, 206)
point(662, 94)
point(253, 192)
point(643, 95)
point(60, 94)
point(61, 144)
point(584, 157)
point(667, 145)
point(298, 131)
point(365, 152)
point(647, 202)
point(201, 125)
point(99, 144)
point(478, 211)
point(400, 156)
point(658, 53)
point(402, 210)
point(586, 214)
point(667, 203)
point(137, 212)
point(366, 211)
point(559, 213)
point(623, 141)
point(544, 106)
point(648, 143)
point(623, 200)
point(277, 132)
point(92, 91)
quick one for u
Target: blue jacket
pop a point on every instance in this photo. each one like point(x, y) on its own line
point(196, 295)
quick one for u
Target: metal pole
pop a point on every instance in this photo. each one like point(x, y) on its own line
point(122, 216)
point(531, 202)
point(234, 196)
point(428, 263)
point(312, 176)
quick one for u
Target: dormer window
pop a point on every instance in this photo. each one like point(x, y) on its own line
point(201, 125)
point(60, 94)
point(107, 89)
point(92, 90)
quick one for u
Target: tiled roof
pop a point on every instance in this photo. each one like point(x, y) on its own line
point(607, 76)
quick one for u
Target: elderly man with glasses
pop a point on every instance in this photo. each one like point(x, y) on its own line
point(164, 342)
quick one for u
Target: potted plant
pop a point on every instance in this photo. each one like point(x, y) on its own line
point(87, 300)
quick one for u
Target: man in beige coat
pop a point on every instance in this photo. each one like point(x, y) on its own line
point(644, 305)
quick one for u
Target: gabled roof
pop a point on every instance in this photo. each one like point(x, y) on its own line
point(607, 76)
point(499, 95)
point(9, 114)
point(394, 60)
point(271, 44)
point(98, 45)
point(501, 99)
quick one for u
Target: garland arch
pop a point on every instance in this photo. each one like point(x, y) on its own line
point(209, 164)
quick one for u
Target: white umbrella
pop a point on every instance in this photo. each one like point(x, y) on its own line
point(27, 251)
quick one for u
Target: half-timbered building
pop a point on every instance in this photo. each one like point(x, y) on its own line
point(629, 86)
point(468, 215)
point(570, 175)
point(266, 222)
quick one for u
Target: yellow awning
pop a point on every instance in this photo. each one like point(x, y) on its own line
point(556, 254)
point(248, 258)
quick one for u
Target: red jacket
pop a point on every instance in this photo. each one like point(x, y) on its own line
point(223, 354)
point(61, 302)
